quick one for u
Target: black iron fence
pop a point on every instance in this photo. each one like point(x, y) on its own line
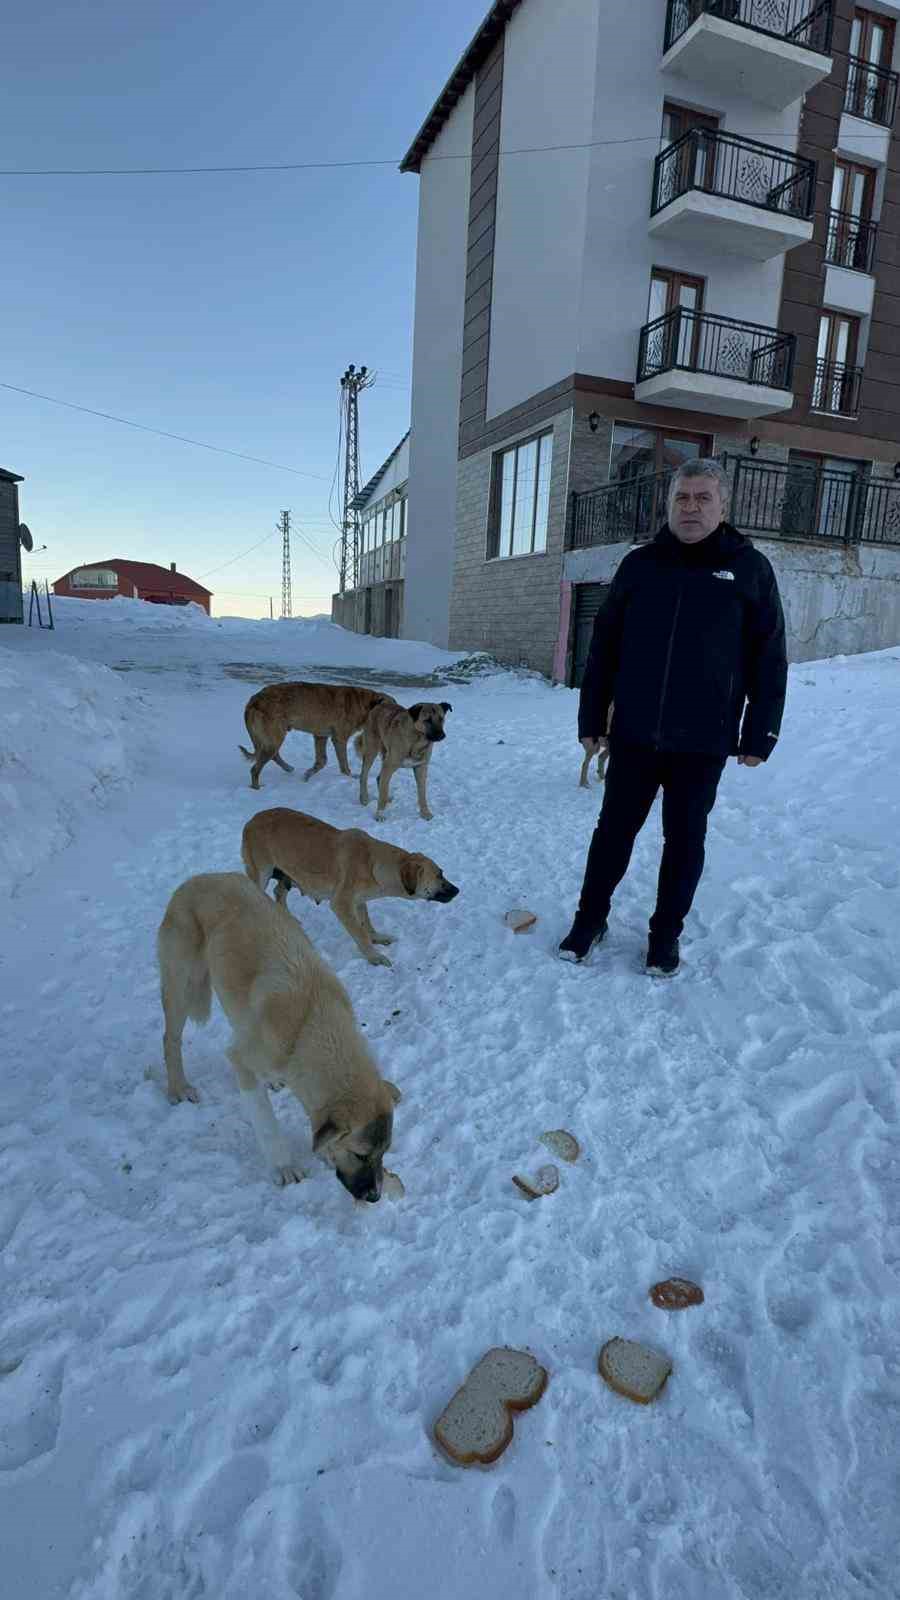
point(788, 501)
point(836, 388)
point(721, 347)
point(871, 92)
point(850, 242)
point(736, 169)
point(800, 22)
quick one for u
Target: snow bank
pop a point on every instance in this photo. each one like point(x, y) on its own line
point(62, 749)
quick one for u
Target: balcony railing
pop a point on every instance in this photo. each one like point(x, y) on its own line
point(800, 22)
point(734, 169)
point(836, 389)
point(806, 502)
point(721, 347)
point(771, 498)
point(850, 242)
point(619, 512)
point(871, 92)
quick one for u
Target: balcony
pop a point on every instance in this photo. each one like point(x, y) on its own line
point(699, 362)
point(716, 191)
point(773, 51)
point(851, 242)
point(777, 500)
point(871, 93)
point(836, 389)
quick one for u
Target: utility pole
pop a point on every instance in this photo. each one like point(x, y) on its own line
point(352, 382)
point(285, 526)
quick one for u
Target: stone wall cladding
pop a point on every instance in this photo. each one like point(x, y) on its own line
point(508, 606)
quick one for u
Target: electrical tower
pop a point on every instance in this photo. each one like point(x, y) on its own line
point(352, 382)
point(286, 601)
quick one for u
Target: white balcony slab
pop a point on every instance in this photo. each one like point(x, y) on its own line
point(864, 141)
point(849, 291)
point(739, 60)
point(712, 223)
point(699, 391)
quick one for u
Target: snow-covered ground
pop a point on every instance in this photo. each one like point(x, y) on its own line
point(210, 1387)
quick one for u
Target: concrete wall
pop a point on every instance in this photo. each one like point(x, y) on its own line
point(437, 359)
point(550, 49)
point(397, 473)
point(510, 606)
point(349, 610)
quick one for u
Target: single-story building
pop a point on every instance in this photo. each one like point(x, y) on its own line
point(10, 549)
point(137, 580)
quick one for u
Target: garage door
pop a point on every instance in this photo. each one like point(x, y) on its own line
point(589, 597)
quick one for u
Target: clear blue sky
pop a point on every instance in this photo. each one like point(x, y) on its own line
point(223, 307)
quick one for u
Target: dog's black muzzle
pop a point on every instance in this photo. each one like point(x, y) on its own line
point(367, 1186)
point(447, 891)
point(435, 734)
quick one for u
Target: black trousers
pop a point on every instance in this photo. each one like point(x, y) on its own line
point(633, 777)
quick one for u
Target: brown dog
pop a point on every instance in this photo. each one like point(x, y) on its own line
point(344, 866)
point(403, 738)
point(326, 710)
point(291, 1020)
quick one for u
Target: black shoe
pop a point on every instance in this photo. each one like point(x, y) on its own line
point(663, 959)
point(580, 941)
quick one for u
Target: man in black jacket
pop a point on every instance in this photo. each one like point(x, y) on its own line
point(689, 651)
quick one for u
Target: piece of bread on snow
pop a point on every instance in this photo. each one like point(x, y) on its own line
point(633, 1370)
point(545, 1181)
point(477, 1425)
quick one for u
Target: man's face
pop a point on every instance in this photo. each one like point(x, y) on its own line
point(697, 509)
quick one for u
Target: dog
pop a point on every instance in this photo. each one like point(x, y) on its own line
point(344, 866)
point(601, 751)
point(327, 711)
point(403, 738)
point(291, 1021)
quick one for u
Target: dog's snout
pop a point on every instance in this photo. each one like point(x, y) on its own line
point(435, 734)
point(372, 1196)
point(447, 891)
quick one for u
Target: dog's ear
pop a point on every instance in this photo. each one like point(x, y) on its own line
point(326, 1136)
point(416, 710)
point(446, 706)
point(409, 874)
point(393, 1091)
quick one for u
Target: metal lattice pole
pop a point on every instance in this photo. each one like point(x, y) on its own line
point(286, 599)
point(352, 382)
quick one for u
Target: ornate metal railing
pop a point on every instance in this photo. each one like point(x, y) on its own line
point(800, 22)
point(871, 92)
point(735, 169)
point(722, 347)
point(836, 388)
point(771, 498)
point(850, 242)
point(622, 512)
point(795, 501)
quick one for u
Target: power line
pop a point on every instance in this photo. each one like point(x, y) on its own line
point(232, 559)
point(162, 433)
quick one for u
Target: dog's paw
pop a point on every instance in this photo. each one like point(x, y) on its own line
point(288, 1174)
point(185, 1092)
point(376, 959)
point(381, 816)
point(285, 767)
point(275, 1084)
point(427, 816)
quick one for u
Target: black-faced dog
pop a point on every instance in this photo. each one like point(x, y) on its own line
point(403, 738)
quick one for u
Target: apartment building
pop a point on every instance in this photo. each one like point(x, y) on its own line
point(374, 602)
point(649, 231)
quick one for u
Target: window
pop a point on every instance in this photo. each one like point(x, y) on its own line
point(639, 452)
point(675, 343)
point(824, 495)
point(836, 384)
point(872, 39)
point(676, 122)
point(850, 239)
point(521, 499)
point(870, 92)
point(94, 578)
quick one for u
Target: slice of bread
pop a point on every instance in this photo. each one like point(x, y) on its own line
point(633, 1369)
point(676, 1294)
point(477, 1425)
point(563, 1144)
point(545, 1181)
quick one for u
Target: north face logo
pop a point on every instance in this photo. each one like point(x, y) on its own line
point(724, 574)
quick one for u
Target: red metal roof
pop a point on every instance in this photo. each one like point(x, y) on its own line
point(147, 575)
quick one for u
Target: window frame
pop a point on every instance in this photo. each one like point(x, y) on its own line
point(493, 551)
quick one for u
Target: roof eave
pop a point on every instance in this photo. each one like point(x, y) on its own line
point(459, 80)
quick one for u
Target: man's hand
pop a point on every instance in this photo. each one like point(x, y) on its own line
point(749, 761)
point(591, 746)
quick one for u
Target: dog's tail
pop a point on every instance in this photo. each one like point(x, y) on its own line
point(247, 754)
point(184, 969)
point(254, 722)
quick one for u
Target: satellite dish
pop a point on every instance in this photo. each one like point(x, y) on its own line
point(25, 538)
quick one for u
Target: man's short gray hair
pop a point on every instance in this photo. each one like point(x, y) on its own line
point(701, 467)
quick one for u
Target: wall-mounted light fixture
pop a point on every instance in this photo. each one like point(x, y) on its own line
point(754, 445)
point(594, 421)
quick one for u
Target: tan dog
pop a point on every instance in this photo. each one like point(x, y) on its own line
point(291, 1020)
point(326, 710)
point(601, 751)
point(403, 738)
point(344, 866)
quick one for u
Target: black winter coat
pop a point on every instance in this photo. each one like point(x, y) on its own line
point(689, 647)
